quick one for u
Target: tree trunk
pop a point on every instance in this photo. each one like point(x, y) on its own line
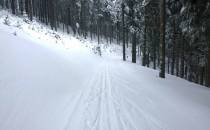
point(3, 4)
point(123, 27)
point(134, 48)
point(177, 59)
point(174, 47)
point(168, 64)
point(127, 37)
point(21, 7)
point(209, 58)
point(26, 6)
point(7, 4)
point(202, 75)
point(182, 58)
point(144, 46)
point(30, 10)
point(13, 6)
point(17, 7)
point(154, 51)
point(208, 41)
point(98, 31)
point(162, 39)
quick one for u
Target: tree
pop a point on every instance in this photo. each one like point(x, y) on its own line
point(123, 27)
point(21, 7)
point(13, 6)
point(134, 47)
point(162, 39)
point(133, 26)
point(145, 37)
point(208, 40)
point(30, 9)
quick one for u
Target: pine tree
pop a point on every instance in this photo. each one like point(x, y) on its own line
point(21, 7)
point(13, 6)
point(123, 27)
point(162, 38)
point(208, 40)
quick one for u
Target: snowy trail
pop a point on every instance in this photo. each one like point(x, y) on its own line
point(44, 86)
point(102, 107)
point(116, 99)
point(105, 108)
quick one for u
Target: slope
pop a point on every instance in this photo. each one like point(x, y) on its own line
point(51, 84)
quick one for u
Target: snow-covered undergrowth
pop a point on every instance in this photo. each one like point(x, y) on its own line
point(39, 31)
point(53, 81)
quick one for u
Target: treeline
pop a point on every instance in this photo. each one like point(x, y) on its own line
point(170, 35)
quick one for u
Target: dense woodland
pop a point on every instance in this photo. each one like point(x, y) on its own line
point(170, 35)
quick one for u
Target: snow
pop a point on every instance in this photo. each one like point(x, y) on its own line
point(60, 84)
point(182, 10)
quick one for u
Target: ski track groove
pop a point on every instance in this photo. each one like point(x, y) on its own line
point(147, 117)
point(89, 100)
point(94, 96)
point(78, 101)
point(105, 107)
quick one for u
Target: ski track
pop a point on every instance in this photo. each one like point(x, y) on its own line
point(105, 108)
point(97, 112)
point(135, 110)
point(76, 103)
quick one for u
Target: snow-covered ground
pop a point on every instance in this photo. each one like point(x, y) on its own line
point(53, 81)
